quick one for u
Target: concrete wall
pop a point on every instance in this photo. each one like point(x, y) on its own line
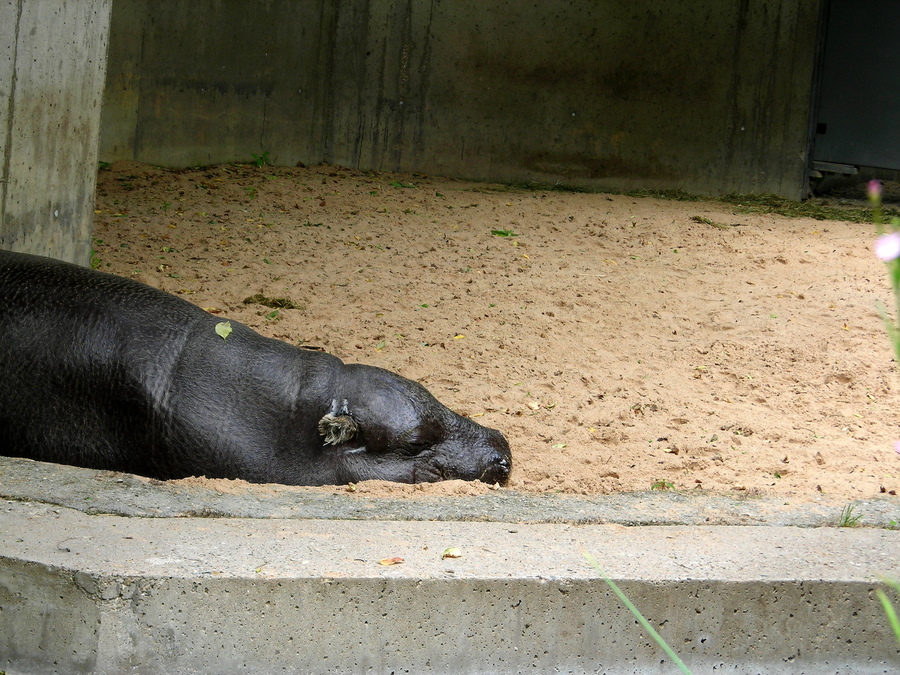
point(52, 71)
point(710, 96)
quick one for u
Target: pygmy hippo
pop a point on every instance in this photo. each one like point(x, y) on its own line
point(107, 373)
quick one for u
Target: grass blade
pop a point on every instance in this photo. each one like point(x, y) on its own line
point(888, 606)
point(640, 617)
point(891, 613)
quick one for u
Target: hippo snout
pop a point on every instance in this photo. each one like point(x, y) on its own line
point(497, 471)
point(498, 462)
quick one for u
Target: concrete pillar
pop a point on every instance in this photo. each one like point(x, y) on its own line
point(52, 74)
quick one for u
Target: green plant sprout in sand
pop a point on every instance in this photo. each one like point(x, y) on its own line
point(848, 517)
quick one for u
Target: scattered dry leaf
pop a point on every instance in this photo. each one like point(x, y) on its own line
point(451, 552)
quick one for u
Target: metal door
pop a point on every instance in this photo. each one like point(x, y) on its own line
point(858, 117)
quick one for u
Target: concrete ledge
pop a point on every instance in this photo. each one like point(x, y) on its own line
point(93, 593)
point(105, 492)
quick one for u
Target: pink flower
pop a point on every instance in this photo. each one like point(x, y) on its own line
point(887, 246)
point(897, 446)
point(873, 189)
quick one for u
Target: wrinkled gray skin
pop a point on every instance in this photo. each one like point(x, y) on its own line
point(104, 372)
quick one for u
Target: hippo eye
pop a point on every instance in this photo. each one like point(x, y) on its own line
point(416, 446)
point(417, 440)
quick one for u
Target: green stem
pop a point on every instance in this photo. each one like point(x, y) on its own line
point(895, 334)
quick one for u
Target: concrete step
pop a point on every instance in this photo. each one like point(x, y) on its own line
point(87, 592)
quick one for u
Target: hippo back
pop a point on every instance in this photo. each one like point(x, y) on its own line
point(105, 372)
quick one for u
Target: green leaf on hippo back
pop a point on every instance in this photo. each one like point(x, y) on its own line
point(223, 329)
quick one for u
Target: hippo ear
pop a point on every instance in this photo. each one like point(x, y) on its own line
point(337, 430)
point(337, 426)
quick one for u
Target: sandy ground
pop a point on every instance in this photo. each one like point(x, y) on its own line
point(620, 343)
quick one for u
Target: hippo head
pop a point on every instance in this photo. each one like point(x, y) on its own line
point(383, 426)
